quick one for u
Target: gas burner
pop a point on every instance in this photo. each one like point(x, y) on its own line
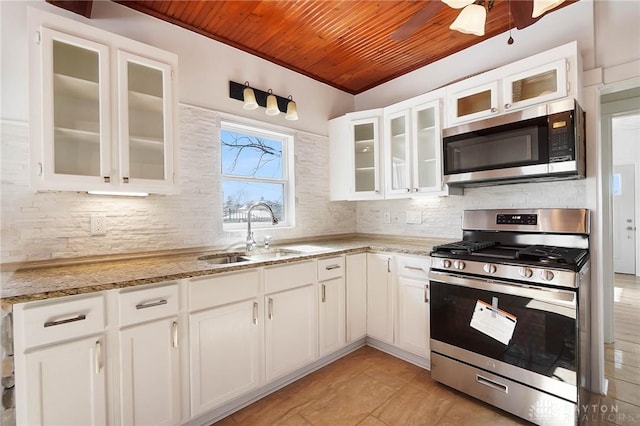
point(549, 254)
point(464, 247)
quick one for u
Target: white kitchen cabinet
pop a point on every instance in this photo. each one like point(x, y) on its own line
point(225, 349)
point(149, 356)
point(103, 110)
point(538, 79)
point(331, 304)
point(354, 146)
point(380, 297)
point(413, 148)
point(356, 296)
point(60, 362)
point(290, 317)
point(412, 331)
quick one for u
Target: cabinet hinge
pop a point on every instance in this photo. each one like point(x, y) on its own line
point(38, 37)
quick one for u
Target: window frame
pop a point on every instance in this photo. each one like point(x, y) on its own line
point(288, 172)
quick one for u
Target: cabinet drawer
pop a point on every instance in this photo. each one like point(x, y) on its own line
point(49, 322)
point(222, 289)
point(330, 268)
point(413, 267)
point(278, 278)
point(148, 304)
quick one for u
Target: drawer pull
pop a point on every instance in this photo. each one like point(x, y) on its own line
point(174, 333)
point(324, 293)
point(270, 308)
point(492, 384)
point(331, 267)
point(255, 312)
point(426, 293)
point(151, 304)
point(414, 268)
point(79, 317)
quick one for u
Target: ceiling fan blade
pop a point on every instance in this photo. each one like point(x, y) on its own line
point(417, 20)
point(521, 13)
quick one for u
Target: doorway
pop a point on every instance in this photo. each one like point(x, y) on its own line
point(624, 214)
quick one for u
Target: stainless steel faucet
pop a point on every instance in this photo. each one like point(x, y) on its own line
point(274, 220)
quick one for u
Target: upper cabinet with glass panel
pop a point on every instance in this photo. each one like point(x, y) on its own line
point(94, 130)
point(541, 78)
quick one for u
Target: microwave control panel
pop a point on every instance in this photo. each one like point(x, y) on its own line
point(561, 137)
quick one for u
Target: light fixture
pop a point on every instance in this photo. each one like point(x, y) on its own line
point(471, 20)
point(457, 4)
point(542, 6)
point(253, 98)
point(272, 104)
point(249, 97)
point(119, 193)
point(292, 110)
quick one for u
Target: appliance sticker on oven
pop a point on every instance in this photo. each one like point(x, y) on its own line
point(493, 322)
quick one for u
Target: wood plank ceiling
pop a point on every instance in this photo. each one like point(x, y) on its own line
point(349, 44)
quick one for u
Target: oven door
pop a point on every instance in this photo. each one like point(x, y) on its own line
point(524, 333)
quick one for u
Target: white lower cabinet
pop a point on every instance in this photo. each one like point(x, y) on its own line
point(380, 300)
point(224, 339)
point(412, 332)
point(60, 362)
point(149, 356)
point(331, 308)
point(356, 296)
point(65, 385)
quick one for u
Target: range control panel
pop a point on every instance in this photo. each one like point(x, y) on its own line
point(517, 219)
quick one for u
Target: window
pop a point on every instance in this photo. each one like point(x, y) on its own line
point(257, 165)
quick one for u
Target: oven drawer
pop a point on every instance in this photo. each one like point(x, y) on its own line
point(523, 401)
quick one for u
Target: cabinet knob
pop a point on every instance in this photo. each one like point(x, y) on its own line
point(125, 179)
point(494, 109)
point(507, 106)
point(106, 179)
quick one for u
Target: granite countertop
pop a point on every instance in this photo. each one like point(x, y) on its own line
point(30, 282)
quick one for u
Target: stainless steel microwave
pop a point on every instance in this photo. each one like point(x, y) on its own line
point(546, 142)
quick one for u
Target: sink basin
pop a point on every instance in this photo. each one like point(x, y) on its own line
point(223, 259)
point(257, 256)
point(271, 255)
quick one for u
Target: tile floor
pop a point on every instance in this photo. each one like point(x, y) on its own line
point(371, 388)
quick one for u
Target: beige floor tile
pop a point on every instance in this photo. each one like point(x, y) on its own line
point(349, 404)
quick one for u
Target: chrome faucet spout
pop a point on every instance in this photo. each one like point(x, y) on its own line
point(274, 220)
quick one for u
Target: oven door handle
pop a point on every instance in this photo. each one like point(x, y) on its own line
point(564, 297)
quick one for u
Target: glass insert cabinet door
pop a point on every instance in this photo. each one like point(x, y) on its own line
point(75, 107)
point(398, 167)
point(427, 173)
point(144, 118)
point(365, 156)
point(536, 85)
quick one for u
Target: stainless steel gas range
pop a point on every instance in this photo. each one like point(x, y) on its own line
point(509, 311)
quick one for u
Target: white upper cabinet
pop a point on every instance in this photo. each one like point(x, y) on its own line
point(354, 144)
point(551, 75)
point(413, 152)
point(103, 110)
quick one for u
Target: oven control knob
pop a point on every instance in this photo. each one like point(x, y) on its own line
point(459, 265)
point(445, 263)
point(546, 275)
point(525, 272)
point(489, 268)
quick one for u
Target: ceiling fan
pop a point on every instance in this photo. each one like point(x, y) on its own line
point(523, 13)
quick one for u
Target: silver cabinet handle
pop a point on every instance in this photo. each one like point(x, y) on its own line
point(413, 268)
point(426, 293)
point(98, 353)
point(494, 109)
point(146, 305)
point(125, 179)
point(174, 333)
point(492, 383)
point(270, 308)
point(324, 293)
point(331, 267)
point(52, 323)
point(255, 312)
point(388, 264)
point(507, 106)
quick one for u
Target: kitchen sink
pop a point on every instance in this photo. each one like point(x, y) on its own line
point(257, 256)
point(223, 259)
